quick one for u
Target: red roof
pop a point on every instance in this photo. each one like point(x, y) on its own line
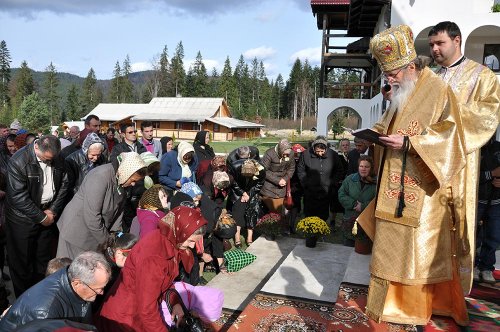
point(330, 2)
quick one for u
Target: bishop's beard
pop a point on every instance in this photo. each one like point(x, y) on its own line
point(401, 92)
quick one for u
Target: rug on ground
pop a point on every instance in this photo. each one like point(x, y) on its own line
point(270, 312)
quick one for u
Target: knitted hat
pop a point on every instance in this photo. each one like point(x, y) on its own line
point(297, 148)
point(393, 48)
point(320, 140)
point(92, 138)
point(150, 199)
point(191, 189)
point(15, 124)
point(283, 147)
point(218, 161)
point(149, 158)
point(131, 162)
point(220, 180)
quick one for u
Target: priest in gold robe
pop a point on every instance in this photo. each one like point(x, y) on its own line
point(478, 93)
point(414, 268)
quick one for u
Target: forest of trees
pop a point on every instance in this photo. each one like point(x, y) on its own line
point(246, 88)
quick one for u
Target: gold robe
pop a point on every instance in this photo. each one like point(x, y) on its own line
point(478, 93)
point(417, 249)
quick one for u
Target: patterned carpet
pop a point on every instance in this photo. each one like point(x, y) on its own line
point(273, 313)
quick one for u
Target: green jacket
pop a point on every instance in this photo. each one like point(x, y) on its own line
point(350, 193)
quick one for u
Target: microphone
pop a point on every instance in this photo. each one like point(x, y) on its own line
point(387, 87)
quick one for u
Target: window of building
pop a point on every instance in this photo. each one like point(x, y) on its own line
point(216, 128)
point(178, 125)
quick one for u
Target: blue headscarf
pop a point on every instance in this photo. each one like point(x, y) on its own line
point(191, 189)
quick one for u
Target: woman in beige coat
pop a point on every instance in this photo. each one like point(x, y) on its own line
point(97, 207)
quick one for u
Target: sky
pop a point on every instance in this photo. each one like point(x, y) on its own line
point(76, 35)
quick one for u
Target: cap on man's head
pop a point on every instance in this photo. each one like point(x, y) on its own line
point(393, 48)
point(15, 125)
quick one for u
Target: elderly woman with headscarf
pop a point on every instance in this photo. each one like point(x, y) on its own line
point(280, 166)
point(97, 207)
point(151, 209)
point(204, 153)
point(319, 170)
point(150, 269)
point(244, 199)
point(178, 165)
point(217, 181)
point(79, 163)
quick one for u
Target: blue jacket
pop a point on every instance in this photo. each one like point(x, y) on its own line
point(171, 171)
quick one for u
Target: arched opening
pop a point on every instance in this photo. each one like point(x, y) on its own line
point(340, 117)
point(422, 42)
point(482, 44)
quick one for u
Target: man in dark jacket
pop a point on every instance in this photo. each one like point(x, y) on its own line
point(65, 294)
point(361, 147)
point(488, 212)
point(129, 144)
point(36, 186)
point(319, 170)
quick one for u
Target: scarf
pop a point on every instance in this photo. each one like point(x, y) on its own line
point(178, 225)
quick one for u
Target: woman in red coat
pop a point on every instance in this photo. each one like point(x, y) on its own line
point(133, 303)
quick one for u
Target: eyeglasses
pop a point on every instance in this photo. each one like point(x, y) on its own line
point(390, 75)
point(99, 291)
point(132, 132)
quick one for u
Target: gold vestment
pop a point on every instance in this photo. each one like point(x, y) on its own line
point(478, 93)
point(416, 250)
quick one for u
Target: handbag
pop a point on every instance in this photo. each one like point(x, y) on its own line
point(189, 322)
point(225, 228)
point(288, 200)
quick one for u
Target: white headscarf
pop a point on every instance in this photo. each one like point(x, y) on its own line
point(183, 148)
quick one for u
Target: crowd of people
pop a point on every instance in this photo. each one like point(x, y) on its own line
point(98, 228)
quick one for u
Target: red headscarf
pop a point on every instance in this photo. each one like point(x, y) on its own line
point(178, 225)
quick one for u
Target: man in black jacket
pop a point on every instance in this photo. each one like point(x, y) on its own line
point(65, 294)
point(36, 186)
point(361, 147)
point(129, 143)
point(488, 212)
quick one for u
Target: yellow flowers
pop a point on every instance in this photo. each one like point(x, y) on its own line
point(313, 225)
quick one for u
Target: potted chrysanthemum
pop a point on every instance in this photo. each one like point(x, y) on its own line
point(269, 225)
point(312, 228)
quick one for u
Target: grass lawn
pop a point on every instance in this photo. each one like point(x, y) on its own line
point(261, 143)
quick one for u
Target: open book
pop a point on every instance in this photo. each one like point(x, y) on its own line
point(369, 135)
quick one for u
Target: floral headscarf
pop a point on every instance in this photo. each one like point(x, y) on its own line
point(178, 225)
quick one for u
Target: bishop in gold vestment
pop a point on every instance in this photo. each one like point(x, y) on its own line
point(414, 269)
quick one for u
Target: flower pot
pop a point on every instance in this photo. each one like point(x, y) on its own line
point(363, 247)
point(311, 241)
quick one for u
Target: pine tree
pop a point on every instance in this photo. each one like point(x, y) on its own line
point(72, 105)
point(89, 94)
point(163, 74)
point(4, 75)
point(177, 72)
point(115, 91)
point(127, 88)
point(213, 84)
point(34, 114)
point(278, 97)
point(50, 93)
point(24, 85)
point(238, 79)
point(200, 78)
point(227, 85)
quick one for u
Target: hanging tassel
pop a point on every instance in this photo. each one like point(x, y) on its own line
point(355, 228)
point(401, 201)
